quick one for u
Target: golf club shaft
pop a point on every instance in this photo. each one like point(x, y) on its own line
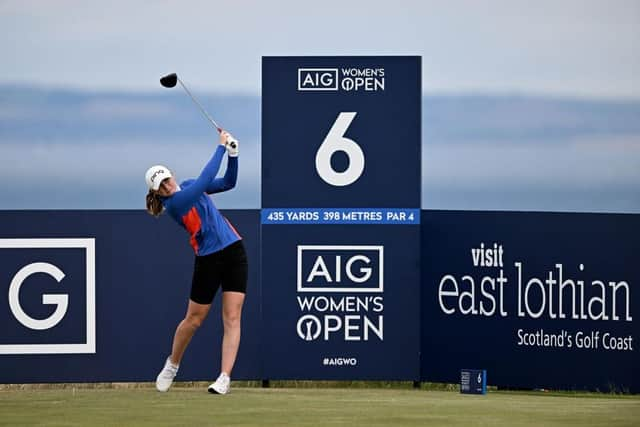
point(200, 106)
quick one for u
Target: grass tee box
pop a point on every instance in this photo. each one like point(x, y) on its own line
point(310, 407)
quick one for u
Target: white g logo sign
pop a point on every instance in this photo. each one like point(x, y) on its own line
point(336, 141)
point(60, 300)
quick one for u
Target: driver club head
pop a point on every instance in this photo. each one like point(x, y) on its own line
point(169, 80)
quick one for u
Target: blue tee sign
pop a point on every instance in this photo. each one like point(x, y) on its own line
point(340, 217)
point(473, 381)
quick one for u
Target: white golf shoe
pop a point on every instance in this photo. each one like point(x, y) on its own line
point(166, 376)
point(222, 385)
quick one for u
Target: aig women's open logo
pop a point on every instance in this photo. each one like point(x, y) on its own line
point(347, 79)
point(50, 303)
point(339, 271)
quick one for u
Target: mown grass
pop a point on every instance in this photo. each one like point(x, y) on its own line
point(305, 405)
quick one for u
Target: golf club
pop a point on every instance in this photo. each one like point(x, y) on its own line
point(170, 81)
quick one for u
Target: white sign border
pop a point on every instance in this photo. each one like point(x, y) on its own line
point(61, 243)
point(325, 89)
point(379, 248)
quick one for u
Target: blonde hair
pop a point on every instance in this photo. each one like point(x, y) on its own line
point(154, 205)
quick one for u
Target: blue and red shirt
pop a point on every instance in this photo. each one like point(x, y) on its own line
point(193, 209)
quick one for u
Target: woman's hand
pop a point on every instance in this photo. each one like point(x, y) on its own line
point(229, 142)
point(224, 135)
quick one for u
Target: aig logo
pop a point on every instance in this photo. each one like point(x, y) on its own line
point(50, 303)
point(318, 79)
point(340, 268)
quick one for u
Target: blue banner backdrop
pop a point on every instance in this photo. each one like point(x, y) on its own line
point(479, 308)
point(142, 277)
point(539, 300)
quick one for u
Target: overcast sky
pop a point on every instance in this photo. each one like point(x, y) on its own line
point(562, 47)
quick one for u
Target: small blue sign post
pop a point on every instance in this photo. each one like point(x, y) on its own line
point(473, 381)
point(340, 217)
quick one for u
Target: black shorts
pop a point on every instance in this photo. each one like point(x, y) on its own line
point(227, 267)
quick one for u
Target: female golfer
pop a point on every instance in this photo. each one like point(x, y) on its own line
point(220, 256)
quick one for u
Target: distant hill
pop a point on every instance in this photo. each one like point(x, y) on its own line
point(525, 118)
point(32, 113)
point(479, 152)
point(29, 113)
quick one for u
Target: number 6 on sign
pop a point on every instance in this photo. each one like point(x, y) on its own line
point(336, 141)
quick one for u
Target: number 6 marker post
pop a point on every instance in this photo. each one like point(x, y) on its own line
point(341, 217)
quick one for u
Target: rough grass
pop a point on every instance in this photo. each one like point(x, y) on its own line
point(397, 404)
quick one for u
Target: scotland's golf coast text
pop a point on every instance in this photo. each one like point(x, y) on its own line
point(590, 340)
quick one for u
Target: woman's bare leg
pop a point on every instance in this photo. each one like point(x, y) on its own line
point(196, 313)
point(231, 314)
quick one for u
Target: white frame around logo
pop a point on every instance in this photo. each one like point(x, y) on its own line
point(328, 89)
point(61, 243)
point(379, 288)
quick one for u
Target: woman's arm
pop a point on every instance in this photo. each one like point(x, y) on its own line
point(231, 175)
point(228, 181)
point(184, 199)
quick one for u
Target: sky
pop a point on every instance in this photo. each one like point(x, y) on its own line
point(588, 48)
